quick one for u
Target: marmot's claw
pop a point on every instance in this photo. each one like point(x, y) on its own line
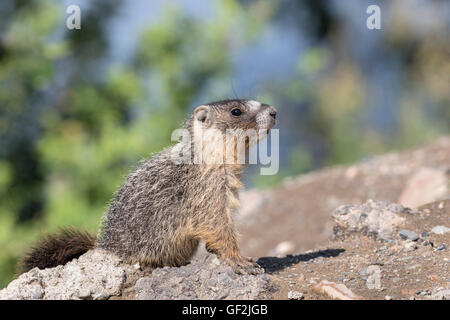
point(247, 266)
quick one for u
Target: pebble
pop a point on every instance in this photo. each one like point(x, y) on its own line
point(101, 296)
point(37, 294)
point(410, 246)
point(85, 294)
point(335, 291)
point(440, 230)
point(426, 243)
point(388, 298)
point(408, 234)
point(406, 258)
point(295, 295)
point(441, 247)
point(374, 279)
point(283, 248)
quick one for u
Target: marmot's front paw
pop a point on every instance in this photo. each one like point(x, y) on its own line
point(246, 266)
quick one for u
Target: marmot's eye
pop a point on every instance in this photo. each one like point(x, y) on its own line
point(236, 112)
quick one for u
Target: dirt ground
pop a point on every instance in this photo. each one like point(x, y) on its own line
point(399, 269)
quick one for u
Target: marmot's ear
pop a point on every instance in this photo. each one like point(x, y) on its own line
point(202, 114)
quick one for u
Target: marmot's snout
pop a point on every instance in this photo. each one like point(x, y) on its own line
point(273, 112)
point(266, 117)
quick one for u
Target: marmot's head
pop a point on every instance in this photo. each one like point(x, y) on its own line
point(236, 114)
point(225, 130)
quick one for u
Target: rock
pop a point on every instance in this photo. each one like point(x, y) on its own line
point(99, 275)
point(441, 295)
point(388, 298)
point(440, 230)
point(85, 294)
point(376, 218)
point(409, 246)
point(426, 185)
point(96, 275)
point(374, 279)
point(283, 248)
point(37, 293)
point(203, 278)
point(441, 247)
point(295, 295)
point(335, 291)
point(424, 293)
point(408, 234)
point(433, 277)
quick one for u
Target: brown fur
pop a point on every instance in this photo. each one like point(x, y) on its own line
point(165, 209)
point(56, 249)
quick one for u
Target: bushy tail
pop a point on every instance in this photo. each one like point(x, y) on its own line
point(57, 249)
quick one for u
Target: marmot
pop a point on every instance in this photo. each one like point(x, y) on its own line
point(164, 208)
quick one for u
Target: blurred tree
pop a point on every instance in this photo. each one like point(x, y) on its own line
point(27, 56)
point(98, 118)
point(325, 103)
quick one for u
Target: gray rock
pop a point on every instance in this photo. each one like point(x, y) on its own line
point(373, 281)
point(143, 283)
point(37, 293)
point(295, 295)
point(441, 247)
point(409, 246)
point(85, 294)
point(440, 230)
point(224, 279)
point(203, 278)
point(96, 275)
point(408, 234)
point(377, 218)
